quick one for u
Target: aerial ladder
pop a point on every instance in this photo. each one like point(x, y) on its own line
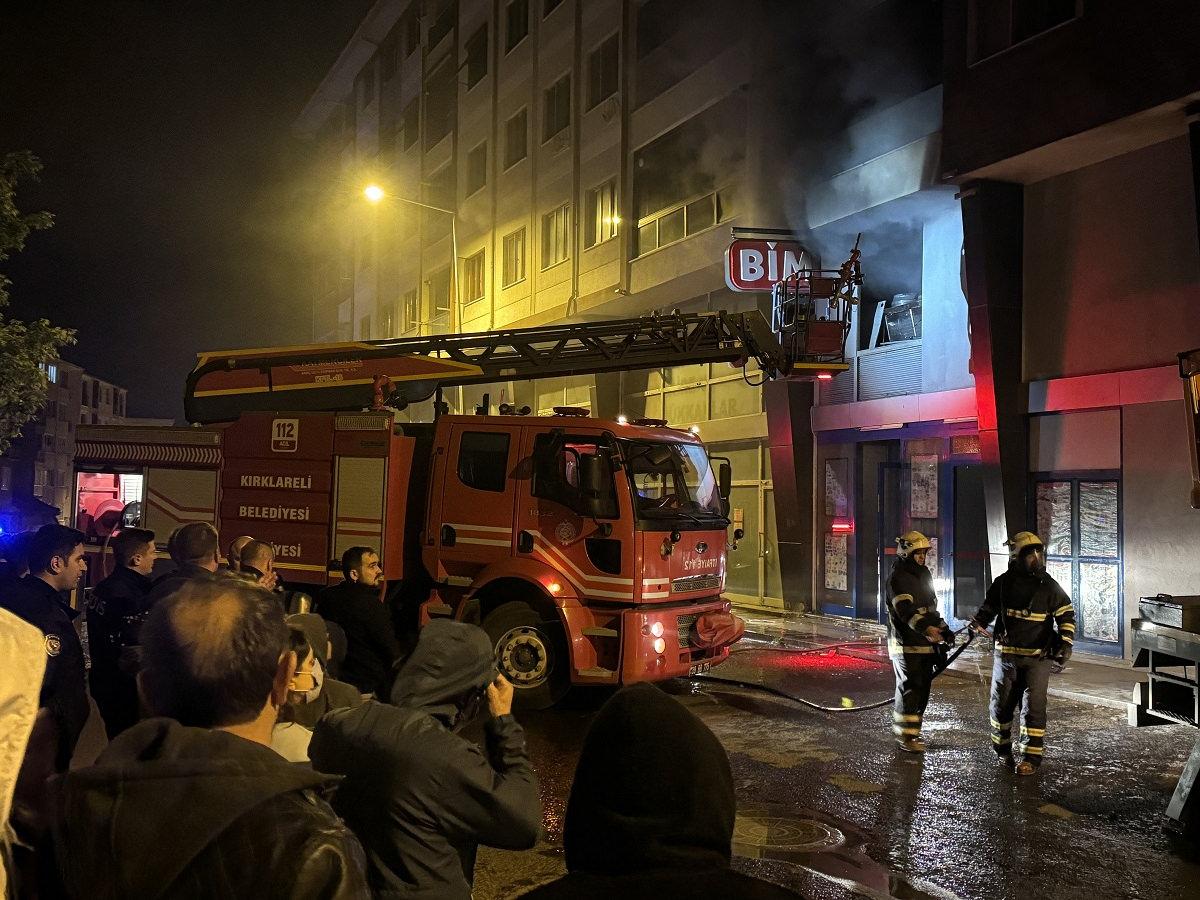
point(804, 339)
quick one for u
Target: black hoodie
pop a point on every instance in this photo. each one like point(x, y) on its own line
point(420, 797)
point(652, 809)
point(175, 812)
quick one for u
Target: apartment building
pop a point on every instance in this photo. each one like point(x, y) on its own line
point(586, 159)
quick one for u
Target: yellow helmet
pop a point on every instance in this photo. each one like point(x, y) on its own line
point(1020, 541)
point(909, 542)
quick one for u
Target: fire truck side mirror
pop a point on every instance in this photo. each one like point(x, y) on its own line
point(724, 477)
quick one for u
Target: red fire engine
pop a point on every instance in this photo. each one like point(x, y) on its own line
point(591, 551)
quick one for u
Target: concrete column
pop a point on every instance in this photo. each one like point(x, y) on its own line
point(993, 232)
point(791, 445)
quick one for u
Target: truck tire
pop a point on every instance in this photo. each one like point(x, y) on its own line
point(531, 652)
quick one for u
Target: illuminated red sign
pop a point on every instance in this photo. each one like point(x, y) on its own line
point(756, 264)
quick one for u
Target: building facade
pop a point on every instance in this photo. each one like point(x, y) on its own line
point(40, 463)
point(593, 157)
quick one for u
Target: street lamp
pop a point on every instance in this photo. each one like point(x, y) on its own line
point(376, 195)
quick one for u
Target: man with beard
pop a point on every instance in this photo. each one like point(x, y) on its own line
point(1035, 630)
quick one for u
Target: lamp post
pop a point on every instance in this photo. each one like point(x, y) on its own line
point(376, 195)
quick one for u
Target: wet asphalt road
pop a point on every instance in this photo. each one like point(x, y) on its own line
point(829, 807)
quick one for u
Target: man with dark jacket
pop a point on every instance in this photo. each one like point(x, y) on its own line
point(196, 804)
point(355, 605)
point(1035, 630)
point(420, 797)
point(916, 630)
point(115, 613)
point(194, 550)
point(651, 810)
point(56, 564)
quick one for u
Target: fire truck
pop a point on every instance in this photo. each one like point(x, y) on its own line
point(591, 551)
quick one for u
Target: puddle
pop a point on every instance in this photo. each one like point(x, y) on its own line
point(852, 785)
point(1053, 809)
point(827, 848)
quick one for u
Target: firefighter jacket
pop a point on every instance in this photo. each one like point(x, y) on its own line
point(1033, 614)
point(912, 607)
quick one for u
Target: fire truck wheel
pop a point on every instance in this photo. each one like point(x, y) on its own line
point(531, 653)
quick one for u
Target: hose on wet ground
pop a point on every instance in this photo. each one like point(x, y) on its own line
point(775, 692)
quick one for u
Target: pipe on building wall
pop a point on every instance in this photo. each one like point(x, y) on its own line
point(993, 238)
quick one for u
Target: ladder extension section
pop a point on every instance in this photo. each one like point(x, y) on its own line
point(351, 375)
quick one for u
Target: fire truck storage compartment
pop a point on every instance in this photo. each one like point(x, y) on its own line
point(177, 496)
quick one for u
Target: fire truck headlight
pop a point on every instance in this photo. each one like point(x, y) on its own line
point(660, 645)
point(554, 587)
point(657, 629)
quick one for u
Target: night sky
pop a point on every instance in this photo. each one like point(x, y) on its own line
point(164, 128)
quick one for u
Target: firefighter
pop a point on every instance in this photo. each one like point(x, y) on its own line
point(915, 631)
point(1034, 633)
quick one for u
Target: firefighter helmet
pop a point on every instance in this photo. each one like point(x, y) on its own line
point(1022, 540)
point(910, 542)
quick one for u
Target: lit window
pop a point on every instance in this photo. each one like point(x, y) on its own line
point(556, 236)
point(473, 278)
point(602, 218)
point(513, 269)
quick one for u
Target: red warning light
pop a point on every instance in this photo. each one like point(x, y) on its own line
point(842, 527)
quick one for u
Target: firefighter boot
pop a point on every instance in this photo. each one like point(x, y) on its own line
point(911, 744)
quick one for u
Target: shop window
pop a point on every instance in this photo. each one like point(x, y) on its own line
point(483, 460)
point(1079, 520)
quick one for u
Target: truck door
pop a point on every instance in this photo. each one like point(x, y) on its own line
point(478, 496)
point(553, 526)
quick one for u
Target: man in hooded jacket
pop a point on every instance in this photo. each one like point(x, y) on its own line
point(421, 798)
point(651, 810)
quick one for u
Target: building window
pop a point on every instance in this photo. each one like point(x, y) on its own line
point(388, 54)
point(602, 219)
point(364, 328)
point(513, 269)
point(51, 371)
point(441, 92)
point(387, 321)
point(444, 23)
point(410, 123)
point(477, 56)
point(550, 6)
point(515, 139)
point(996, 25)
point(1080, 521)
point(364, 84)
point(603, 68)
point(412, 30)
point(483, 460)
point(473, 278)
point(556, 114)
point(476, 169)
point(410, 309)
point(438, 287)
point(516, 23)
point(556, 236)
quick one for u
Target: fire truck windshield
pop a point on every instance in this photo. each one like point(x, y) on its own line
point(672, 480)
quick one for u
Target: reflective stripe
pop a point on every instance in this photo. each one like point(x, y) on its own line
point(912, 623)
point(1001, 740)
point(1033, 751)
point(1063, 610)
point(1067, 626)
point(1007, 725)
point(899, 597)
point(912, 732)
point(1020, 651)
point(895, 648)
point(905, 717)
point(1067, 638)
point(1033, 732)
point(1026, 616)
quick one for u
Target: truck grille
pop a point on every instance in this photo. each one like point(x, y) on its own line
point(696, 583)
point(683, 626)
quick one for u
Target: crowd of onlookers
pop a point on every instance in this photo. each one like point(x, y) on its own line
point(209, 733)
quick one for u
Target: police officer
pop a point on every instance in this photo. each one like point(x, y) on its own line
point(1035, 630)
point(56, 564)
point(915, 630)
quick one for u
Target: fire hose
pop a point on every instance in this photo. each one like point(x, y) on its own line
point(940, 666)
